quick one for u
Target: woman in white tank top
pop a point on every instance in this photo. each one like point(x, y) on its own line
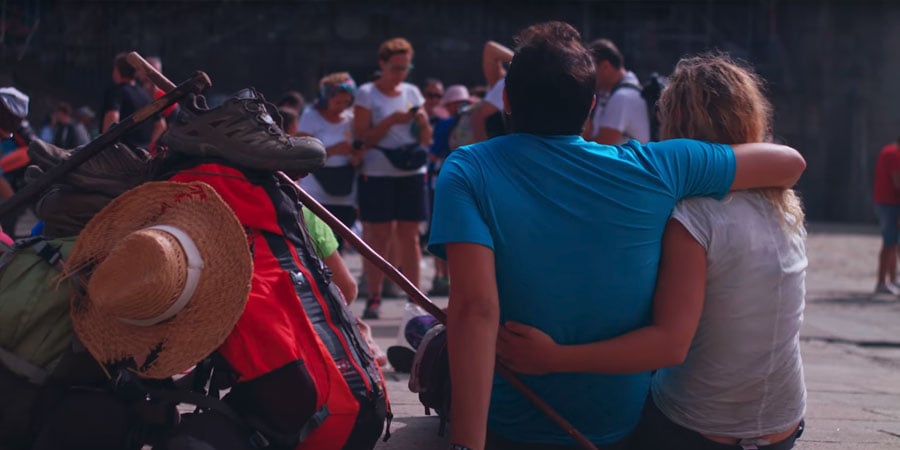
point(729, 299)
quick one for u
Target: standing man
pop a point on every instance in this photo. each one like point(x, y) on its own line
point(886, 194)
point(623, 116)
point(125, 98)
point(535, 223)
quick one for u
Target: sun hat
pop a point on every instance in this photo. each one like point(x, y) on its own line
point(455, 93)
point(160, 277)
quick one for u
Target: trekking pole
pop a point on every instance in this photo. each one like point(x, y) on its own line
point(194, 85)
point(373, 257)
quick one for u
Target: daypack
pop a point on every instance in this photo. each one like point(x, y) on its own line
point(51, 388)
point(34, 301)
point(430, 374)
point(650, 91)
point(303, 370)
point(35, 331)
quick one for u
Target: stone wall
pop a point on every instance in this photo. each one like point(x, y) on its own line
point(830, 64)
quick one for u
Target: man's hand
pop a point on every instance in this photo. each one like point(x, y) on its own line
point(526, 349)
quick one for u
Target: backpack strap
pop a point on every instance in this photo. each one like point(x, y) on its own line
point(18, 365)
point(9, 253)
point(625, 85)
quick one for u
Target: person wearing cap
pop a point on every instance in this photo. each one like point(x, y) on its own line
point(331, 121)
point(455, 100)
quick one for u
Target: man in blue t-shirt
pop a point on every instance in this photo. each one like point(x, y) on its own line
point(544, 228)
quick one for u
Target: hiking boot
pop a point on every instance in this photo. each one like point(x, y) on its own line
point(242, 132)
point(373, 306)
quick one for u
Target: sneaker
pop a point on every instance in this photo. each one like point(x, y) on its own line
point(373, 306)
point(887, 288)
point(401, 358)
point(241, 131)
point(440, 287)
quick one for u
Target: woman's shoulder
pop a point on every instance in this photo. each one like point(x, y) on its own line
point(366, 88)
point(409, 87)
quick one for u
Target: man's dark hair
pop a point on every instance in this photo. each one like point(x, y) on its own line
point(291, 99)
point(605, 50)
point(125, 69)
point(550, 82)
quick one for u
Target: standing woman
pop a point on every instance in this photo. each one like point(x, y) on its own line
point(331, 121)
point(729, 298)
point(394, 130)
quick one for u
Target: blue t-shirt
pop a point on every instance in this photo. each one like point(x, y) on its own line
point(576, 231)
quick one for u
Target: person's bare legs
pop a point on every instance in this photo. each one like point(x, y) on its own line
point(407, 251)
point(378, 236)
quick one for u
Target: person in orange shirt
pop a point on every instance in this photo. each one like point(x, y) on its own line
point(886, 193)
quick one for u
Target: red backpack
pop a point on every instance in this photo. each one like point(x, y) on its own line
point(305, 377)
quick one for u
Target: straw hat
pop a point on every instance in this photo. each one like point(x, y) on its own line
point(161, 275)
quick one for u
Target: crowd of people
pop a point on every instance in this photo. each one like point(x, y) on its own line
point(650, 292)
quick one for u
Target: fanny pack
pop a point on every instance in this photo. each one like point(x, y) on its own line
point(337, 181)
point(407, 157)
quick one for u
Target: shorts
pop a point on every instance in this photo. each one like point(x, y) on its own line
point(888, 216)
point(385, 199)
point(657, 431)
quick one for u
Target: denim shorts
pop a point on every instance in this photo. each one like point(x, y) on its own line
point(887, 217)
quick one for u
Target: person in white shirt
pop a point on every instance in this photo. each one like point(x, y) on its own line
point(621, 112)
point(729, 299)
point(331, 121)
point(394, 131)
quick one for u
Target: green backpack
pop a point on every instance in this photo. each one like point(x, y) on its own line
point(34, 304)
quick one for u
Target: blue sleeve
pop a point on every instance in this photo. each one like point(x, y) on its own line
point(693, 168)
point(456, 216)
point(441, 138)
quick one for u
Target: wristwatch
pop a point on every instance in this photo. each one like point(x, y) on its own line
point(458, 447)
point(357, 144)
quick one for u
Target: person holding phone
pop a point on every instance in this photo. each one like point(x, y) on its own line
point(394, 134)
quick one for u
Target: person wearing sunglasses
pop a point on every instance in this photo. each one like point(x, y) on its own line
point(393, 134)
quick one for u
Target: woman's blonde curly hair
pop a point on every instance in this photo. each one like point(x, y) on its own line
point(711, 97)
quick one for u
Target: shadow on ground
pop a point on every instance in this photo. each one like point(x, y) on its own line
point(854, 298)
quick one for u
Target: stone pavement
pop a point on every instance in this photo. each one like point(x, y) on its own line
point(850, 347)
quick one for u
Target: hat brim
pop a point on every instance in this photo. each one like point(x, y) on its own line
point(171, 347)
